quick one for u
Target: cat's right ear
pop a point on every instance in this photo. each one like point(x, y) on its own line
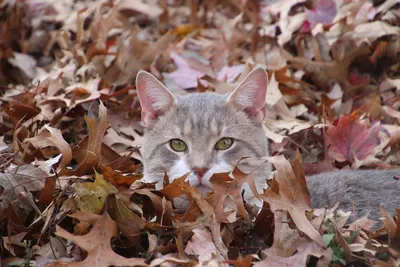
point(155, 99)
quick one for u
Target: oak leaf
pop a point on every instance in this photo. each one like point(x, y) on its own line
point(16, 185)
point(177, 192)
point(293, 197)
point(154, 204)
point(209, 213)
point(83, 92)
point(201, 245)
point(96, 243)
point(117, 178)
point(304, 247)
point(128, 222)
point(224, 186)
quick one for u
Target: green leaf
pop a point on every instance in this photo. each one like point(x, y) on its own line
point(337, 259)
point(328, 238)
point(353, 236)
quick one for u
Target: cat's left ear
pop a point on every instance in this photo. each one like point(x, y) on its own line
point(155, 99)
point(250, 94)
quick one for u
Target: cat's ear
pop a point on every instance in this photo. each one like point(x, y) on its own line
point(155, 99)
point(250, 94)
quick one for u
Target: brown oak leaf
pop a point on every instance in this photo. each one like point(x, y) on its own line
point(96, 243)
point(292, 196)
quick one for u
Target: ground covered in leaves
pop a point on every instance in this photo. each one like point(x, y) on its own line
point(70, 189)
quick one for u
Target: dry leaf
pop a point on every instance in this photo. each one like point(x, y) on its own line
point(201, 245)
point(291, 197)
point(351, 140)
point(96, 243)
point(91, 196)
point(97, 129)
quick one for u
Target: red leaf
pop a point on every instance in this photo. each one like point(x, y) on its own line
point(350, 138)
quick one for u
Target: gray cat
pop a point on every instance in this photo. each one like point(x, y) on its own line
point(206, 133)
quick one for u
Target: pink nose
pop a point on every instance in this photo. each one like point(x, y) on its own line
point(200, 172)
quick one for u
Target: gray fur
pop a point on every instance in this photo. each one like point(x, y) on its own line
point(361, 191)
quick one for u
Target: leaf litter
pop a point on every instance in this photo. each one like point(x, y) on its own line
point(70, 188)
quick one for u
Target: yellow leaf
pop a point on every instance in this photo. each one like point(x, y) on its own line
point(92, 196)
point(185, 29)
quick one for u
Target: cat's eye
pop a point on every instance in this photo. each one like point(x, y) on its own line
point(224, 143)
point(178, 145)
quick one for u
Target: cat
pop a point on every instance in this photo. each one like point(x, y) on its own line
point(206, 133)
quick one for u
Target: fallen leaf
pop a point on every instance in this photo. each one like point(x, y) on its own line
point(201, 245)
point(392, 228)
point(375, 30)
point(128, 222)
point(324, 12)
point(292, 197)
point(242, 262)
point(54, 249)
point(83, 92)
point(334, 71)
point(140, 7)
point(226, 186)
point(116, 178)
point(97, 129)
point(25, 63)
point(155, 207)
point(92, 196)
point(17, 185)
point(96, 243)
point(351, 139)
point(57, 139)
point(210, 215)
point(305, 248)
point(184, 75)
point(47, 194)
point(273, 92)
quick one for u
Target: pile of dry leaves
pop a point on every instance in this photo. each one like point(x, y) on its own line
point(70, 189)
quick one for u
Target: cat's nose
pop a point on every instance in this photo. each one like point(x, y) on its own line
point(200, 172)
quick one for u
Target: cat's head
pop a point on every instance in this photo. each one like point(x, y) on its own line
point(202, 133)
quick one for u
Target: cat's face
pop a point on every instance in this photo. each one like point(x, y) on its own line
point(202, 133)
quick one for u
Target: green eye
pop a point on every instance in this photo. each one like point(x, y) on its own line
point(178, 145)
point(224, 143)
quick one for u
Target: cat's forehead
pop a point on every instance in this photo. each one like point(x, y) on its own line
point(198, 115)
point(202, 112)
point(200, 101)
